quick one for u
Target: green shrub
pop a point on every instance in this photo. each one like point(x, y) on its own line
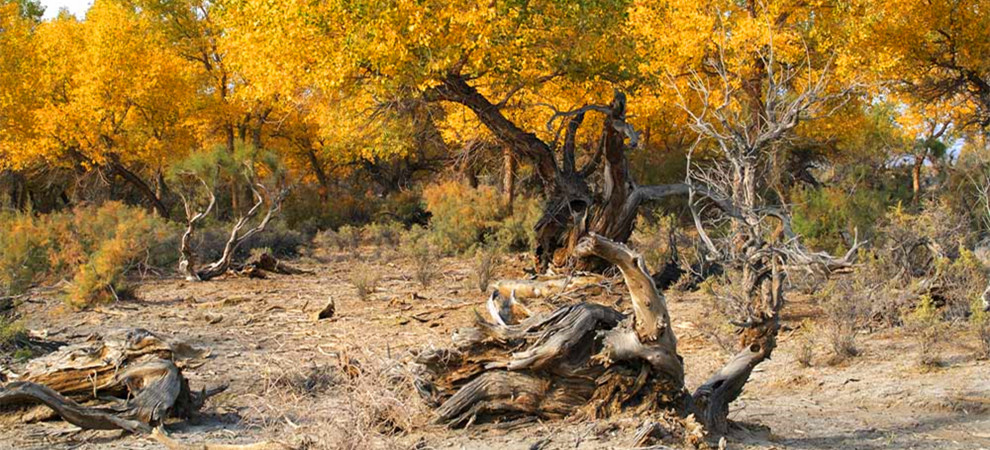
point(826, 217)
point(926, 324)
point(517, 232)
point(308, 212)
point(387, 234)
point(10, 331)
point(463, 217)
point(980, 321)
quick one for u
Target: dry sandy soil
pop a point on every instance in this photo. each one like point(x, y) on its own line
point(287, 382)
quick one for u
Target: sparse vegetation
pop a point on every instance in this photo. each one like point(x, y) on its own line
point(486, 259)
point(505, 213)
point(806, 345)
point(928, 328)
point(842, 309)
point(425, 257)
point(365, 281)
point(980, 322)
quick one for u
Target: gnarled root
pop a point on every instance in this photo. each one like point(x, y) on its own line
point(584, 357)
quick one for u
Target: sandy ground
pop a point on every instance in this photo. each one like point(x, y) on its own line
point(285, 382)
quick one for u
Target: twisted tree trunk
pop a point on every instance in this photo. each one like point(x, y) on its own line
point(574, 206)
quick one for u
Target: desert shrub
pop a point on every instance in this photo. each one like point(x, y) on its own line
point(652, 238)
point(827, 217)
point(385, 234)
point(914, 242)
point(330, 239)
point(365, 281)
point(406, 207)
point(486, 258)
point(425, 257)
point(351, 236)
point(24, 251)
point(926, 325)
point(806, 343)
point(209, 241)
point(726, 302)
point(93, 245)
point(461, 215)
point(10, 331)
point(979, 320)
point(308, 211)
point(842, 310)
point(960, 281)
point(117, 240)
point(278, 238)
point(517, 231)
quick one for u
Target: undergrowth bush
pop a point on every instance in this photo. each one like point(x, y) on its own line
point(843, 302)
point(93, 245)
point(926, 324)
point(463, 217)
point(460, 214)
point(979, 320)
point(827, 217)
point(425, 256)
point(486, 259)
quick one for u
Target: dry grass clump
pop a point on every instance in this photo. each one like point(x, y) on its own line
point(288, 378)
point(806, 349)
point(842, 307)
point(365, 281)
point(485, 260)
point(374, 406)
point(425, 258)
point(359, 402)
point(726, 301)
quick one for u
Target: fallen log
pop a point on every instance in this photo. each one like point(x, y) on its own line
point(136, 371)
point(266, 263)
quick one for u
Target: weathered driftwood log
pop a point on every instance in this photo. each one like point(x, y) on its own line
point(80, 370)
point(584, 358)
point(131, 364)
point(266, 263)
